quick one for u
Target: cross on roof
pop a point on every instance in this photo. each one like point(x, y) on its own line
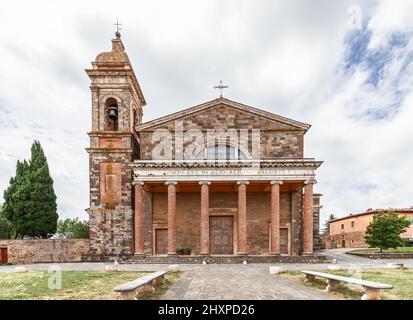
point(117, 24)
point(221, 87)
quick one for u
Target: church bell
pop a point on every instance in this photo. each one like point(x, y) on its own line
point(113, 113)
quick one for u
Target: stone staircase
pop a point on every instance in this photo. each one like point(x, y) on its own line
point(222, 259)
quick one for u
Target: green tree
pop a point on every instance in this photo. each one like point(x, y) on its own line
point(16, 198)
point(30, 200)
point(41, 210)
point(385, 230)
point(5, 226)
point(73, 228)
point(326, 229)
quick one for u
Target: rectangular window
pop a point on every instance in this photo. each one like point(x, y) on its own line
point(353, 224)
point(342, 226)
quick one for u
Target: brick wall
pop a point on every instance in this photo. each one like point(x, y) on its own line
point(44, 251)
point(188, 217)
point(258, 218)
point(278, 140)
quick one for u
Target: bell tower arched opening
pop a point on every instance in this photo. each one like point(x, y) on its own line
point(111, 115)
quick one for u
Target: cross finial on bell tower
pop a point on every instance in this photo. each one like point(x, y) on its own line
point(221, 87)
point(118, 28)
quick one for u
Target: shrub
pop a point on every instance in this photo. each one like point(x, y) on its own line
point(184, 251)
point(73, 228)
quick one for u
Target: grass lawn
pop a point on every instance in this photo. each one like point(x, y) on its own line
point(76, 285)
point(377, 250)
point(402, 280)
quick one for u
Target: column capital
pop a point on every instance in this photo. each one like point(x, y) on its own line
point(243, 182)
point(205, 182)
point(276, 182)
point(310, 181)
point(140, 183)
point(171, 182)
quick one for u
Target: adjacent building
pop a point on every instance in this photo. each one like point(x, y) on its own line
point(349, 231)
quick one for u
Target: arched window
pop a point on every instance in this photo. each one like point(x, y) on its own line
point(111, 115)
point(221, 152)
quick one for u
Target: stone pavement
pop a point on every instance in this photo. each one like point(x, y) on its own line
point(235, 282)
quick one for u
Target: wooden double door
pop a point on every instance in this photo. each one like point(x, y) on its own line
point(221, 231)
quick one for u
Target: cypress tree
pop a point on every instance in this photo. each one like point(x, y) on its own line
point(5, 227)
point(41, 211)
point(16, 197)
point(30, 200)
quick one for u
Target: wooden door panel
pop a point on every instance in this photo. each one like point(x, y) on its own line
point(221, 235)
point(4, 256)
point(161, 241)
point(284, 241)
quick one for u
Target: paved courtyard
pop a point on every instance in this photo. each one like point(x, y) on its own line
point(233, 282)
point(236, 281)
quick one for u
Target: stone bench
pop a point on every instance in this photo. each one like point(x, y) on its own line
point(146, 283)
point(371, 289)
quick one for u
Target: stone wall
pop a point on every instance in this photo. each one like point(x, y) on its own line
point(396, 255)
point(45, 251)
point(351, 240)
point(296, 222)
point(111, 207)
point(316, 221)
point(277, 140)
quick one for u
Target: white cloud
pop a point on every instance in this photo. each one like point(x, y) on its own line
point(390, 16)
point(286, 57)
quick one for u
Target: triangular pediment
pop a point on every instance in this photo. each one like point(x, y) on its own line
point(224, 113)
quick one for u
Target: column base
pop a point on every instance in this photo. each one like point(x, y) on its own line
point(274, 254)
point(308, 253)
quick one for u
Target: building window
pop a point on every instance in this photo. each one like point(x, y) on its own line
point(342, 226)
point(221, 152)
point(353, 224)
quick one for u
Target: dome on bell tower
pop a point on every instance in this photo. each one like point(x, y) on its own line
point(116, 56)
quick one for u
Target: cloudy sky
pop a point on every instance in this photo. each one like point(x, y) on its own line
point(346, 67)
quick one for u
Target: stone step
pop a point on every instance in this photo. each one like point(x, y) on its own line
point(222, 259)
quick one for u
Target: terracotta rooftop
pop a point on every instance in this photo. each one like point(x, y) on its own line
point(374, 211)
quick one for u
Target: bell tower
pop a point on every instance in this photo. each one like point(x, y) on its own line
point(117, 106)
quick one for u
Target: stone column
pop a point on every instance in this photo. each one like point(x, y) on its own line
point(139, 219)
point(275, 217)
point(171, 217)
point(308, 218)
point(204, 217)
point(242, 217)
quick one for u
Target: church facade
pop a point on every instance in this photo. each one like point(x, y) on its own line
point(217, 179)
